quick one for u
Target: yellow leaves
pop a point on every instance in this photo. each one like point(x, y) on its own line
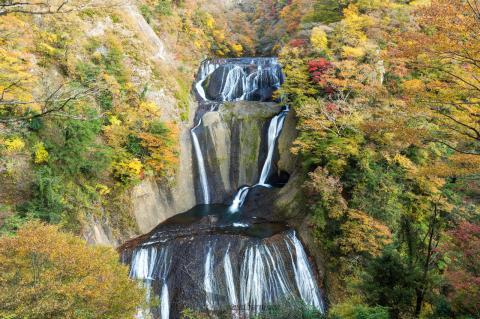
point(237, 49)
point(210, 21)
point(353, 20)
point(149, 108)
point(353, 52)
point(14, 145)
point(79, 278)
point(102, 189)
point(114, 120)
point(134, 166)
point(457, 165)
point(363, 234)
point(128, 170)
point(40, 154)
point(420, 3)
point(404, 162)
point(319, 39)
point(17, 79)
point(219, 35)
point(162, 149)
point(413, 87)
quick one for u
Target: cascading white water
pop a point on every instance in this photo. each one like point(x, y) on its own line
point(243, 75)
point(205, 70)
point(239, 199)
point(144, 261)
point(201, 164)
point(230, 284)
point(236, 78)
point(149, 264)
point(209, 280)
point(164, 303)
point(242, 274)
point(303, 274)
point(261, 73)
point(274, 130)
point(268, 272)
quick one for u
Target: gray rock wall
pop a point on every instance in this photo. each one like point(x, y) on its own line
point(234, 142)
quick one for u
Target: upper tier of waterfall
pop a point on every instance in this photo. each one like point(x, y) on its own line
point(242, 79)
point(227, 80)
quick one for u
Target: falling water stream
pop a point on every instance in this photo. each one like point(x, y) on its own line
point(212, 258)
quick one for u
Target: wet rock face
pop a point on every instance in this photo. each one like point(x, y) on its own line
point(215, 83)
point(216, 262)
point(240, 79)
point(233, 140)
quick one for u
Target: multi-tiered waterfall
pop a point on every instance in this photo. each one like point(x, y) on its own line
point(213, 258)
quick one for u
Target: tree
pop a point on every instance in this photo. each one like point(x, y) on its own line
point(463, 270)
point(45, 273)
point(442, 57)
point(39, 7)
point(390, 283)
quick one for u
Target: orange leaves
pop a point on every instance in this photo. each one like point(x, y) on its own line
point(162, 149)
point(441, 52)
point(50, 274)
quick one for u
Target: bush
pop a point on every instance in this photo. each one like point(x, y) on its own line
point(290, 309)
point(164, 7)
point(45, 273)
point(357, 311)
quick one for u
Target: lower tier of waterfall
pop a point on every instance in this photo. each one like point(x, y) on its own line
point(212, 261)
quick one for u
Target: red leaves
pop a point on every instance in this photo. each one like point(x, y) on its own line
point(331, 108)
point(462, 272)
point(318, 69)
point(297, 43)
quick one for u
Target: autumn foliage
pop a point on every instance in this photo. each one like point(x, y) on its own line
point(45, 273)
point(318, 69)
point(463, 272)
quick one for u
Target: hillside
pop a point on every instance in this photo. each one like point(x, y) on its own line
point(344, 130)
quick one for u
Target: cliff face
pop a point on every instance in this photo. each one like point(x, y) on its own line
point(234, 139)
point(136, 63)
point(152, 200)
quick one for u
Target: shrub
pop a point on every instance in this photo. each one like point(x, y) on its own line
point(357, 311)
point(290, 309)
point(319, 39)
point(164, 7)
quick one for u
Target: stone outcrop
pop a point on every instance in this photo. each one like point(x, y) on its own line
point(234, 141)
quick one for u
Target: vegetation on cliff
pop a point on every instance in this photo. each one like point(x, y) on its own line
point(386, 94)
point(89, 108)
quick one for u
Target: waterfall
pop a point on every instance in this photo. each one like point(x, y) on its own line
point(239, 199)
point(201, 164)
point(274, 130)
point(230, 283)
point(247, 263)
point(303, 275)
point(164, 303)
point(269, 271)
point(241, 78)
point(209, 280)
point(149, 265)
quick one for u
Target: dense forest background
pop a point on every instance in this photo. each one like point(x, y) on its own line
point(387, 97)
